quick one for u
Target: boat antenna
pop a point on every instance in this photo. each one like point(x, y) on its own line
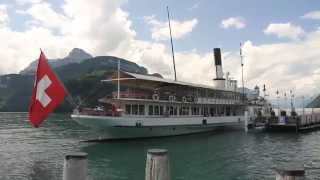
point(174, 63)
point(241, 57)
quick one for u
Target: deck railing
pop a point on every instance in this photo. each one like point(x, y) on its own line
point(172, 98)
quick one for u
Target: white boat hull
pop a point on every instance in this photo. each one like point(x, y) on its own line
point(143, 127)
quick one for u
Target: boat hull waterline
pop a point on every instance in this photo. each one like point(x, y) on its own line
point(147, 127)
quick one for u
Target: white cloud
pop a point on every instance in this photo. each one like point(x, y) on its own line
point(234, 22)
point(99, 31)
point(106, 30)
point(26, 2)
point(285, 66)
point(286, 30)
point(312, 15)
point(4, 18)
point(160, 29)
point(44, 14)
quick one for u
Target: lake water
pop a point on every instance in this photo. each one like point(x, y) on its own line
point(30, 153)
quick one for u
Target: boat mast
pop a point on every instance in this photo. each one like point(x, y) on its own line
point(118, 97)
point(291, 100)
point(241, 57)
point(174, 63)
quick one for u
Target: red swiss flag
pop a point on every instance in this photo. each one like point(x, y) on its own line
point(48, 92)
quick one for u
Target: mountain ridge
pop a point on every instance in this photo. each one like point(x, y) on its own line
point(76, 55)
point(82, 78)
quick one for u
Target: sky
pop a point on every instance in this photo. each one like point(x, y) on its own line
point(280, 38)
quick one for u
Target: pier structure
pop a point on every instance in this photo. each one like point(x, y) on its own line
point(297, 123)
point(290, 173)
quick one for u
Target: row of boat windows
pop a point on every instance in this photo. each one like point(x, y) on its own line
point(155, 110)
point(138, 109)
point(200, 93)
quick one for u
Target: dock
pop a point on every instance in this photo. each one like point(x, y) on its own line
point(300, 123)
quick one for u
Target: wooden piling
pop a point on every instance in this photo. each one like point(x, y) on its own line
point(157, 165)
point(290, 173)
point(75, 166)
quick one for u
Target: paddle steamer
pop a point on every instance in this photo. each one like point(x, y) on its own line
point(151, 106)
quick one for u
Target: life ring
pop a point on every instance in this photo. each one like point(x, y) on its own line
point(184, 99)
point(155, 97)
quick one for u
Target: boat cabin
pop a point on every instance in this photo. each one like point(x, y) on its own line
point(148, 95)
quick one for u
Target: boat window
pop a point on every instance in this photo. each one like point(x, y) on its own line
point(171, 110)
point(212, 111)
point(128, 109)
point(221, 110)
point(150, 110)
point(195, 111)
point(234, 111)
point(135, 109)
point(141, 109)
point(161, 110)
point(205, 111)
point(228, 109)
point(175, 111)
point(156, 110)
point(184, 110)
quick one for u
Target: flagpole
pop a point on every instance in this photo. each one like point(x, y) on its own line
point(69, 97)
point(277, 92)
point(241, 57)
point(118, 97)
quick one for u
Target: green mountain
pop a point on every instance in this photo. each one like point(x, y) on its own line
point(315, 103)
point(83, 80)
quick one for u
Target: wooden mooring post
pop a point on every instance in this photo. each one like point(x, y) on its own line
point(157, 165)
point(75, 166)
point(290, 173)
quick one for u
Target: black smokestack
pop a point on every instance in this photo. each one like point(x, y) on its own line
point(217, 56)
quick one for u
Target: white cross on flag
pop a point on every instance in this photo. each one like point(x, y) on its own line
point(48, 92)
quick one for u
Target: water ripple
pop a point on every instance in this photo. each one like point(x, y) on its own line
point(38, 153)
